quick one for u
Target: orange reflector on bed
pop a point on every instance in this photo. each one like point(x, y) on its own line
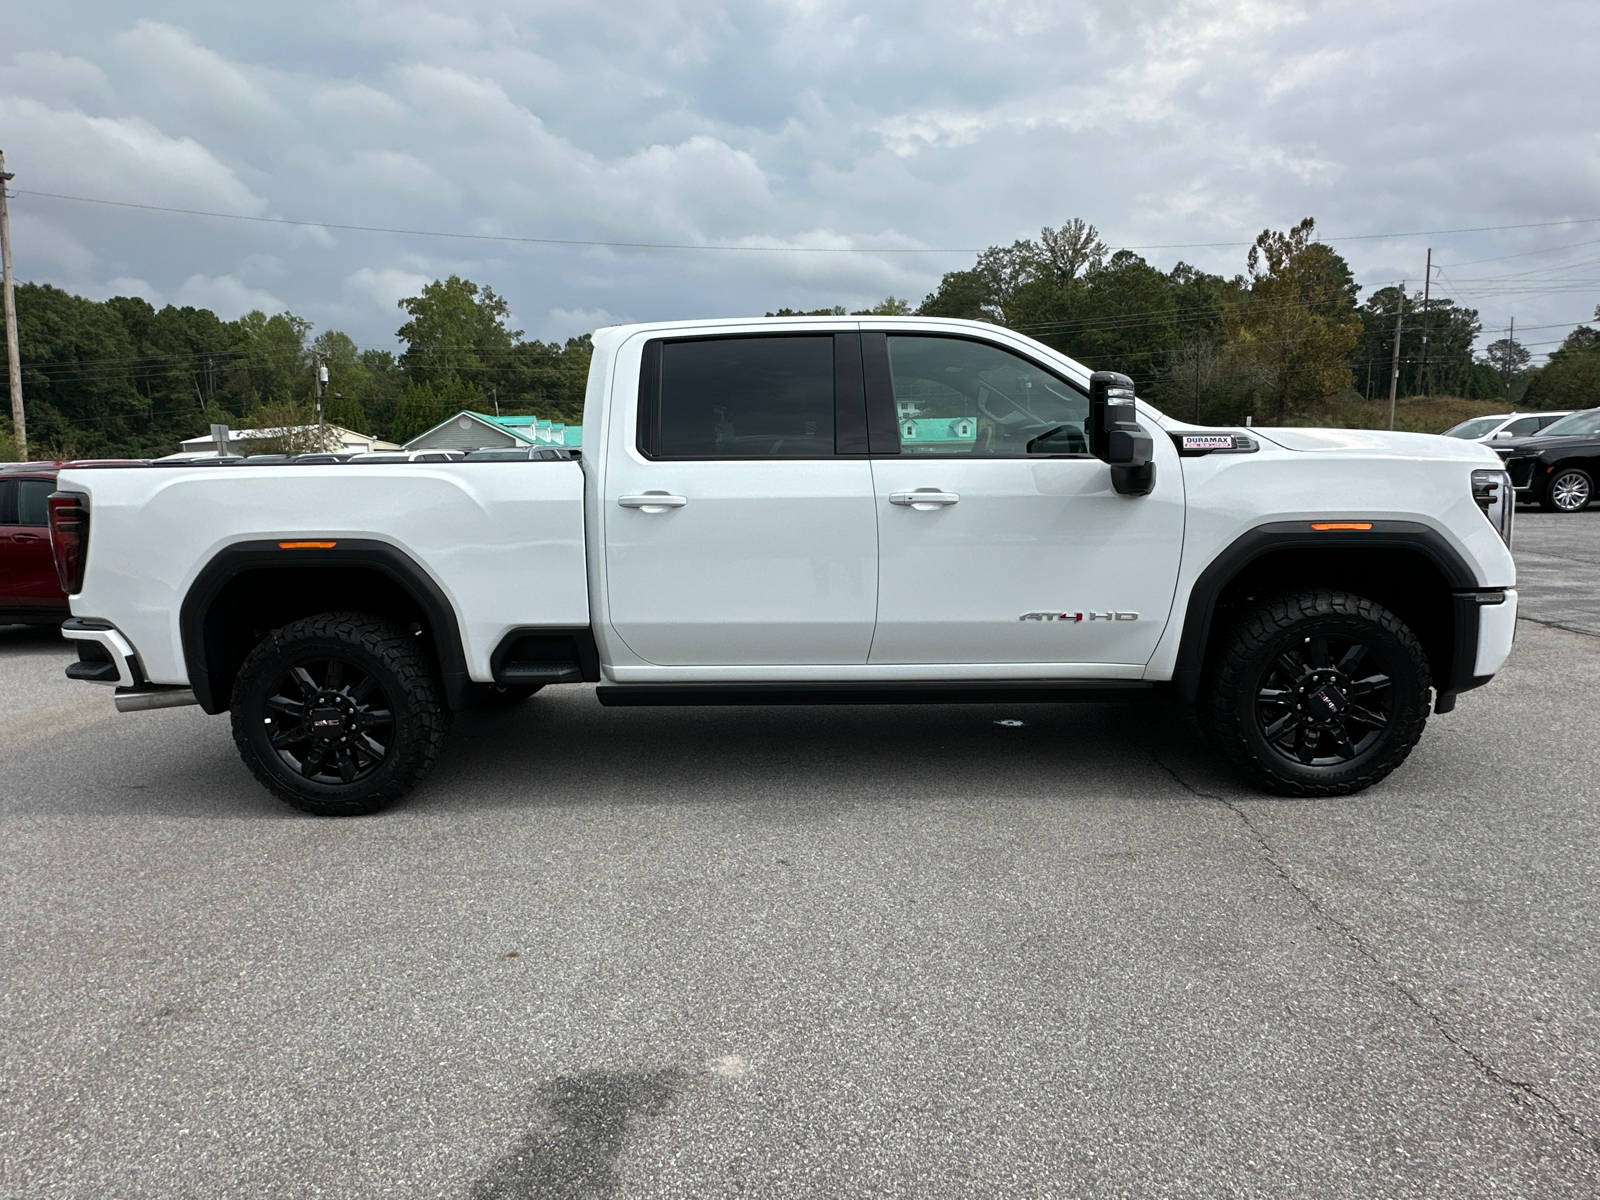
point(1324, 526)
point(307, 545)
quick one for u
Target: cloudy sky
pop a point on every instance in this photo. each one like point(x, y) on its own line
point(913, 132)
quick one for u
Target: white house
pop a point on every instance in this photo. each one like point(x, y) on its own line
point(247, 441)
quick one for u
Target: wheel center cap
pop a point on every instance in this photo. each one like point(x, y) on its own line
point(329, 718)
point(1327, 702)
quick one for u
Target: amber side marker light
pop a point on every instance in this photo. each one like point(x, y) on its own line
point(307, 545)
point(1324, 526)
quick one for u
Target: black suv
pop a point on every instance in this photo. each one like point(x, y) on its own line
point(1558, 467)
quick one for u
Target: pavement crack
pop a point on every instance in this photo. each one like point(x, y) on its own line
point(1558, 625)
point(1529, 1092)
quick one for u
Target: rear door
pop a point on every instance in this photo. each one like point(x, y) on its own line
point(1002, 540)
point(27, 570)
point(740, 527)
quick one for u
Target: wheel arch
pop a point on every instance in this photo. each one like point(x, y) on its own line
point(1405, 566)
point(251, 587)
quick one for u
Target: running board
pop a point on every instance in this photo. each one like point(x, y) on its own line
point(1096, 691)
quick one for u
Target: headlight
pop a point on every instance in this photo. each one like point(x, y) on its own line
point(1492, 491)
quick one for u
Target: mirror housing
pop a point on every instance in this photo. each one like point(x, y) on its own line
point(1115, 436)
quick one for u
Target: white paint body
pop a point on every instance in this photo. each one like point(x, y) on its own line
point(792, 571)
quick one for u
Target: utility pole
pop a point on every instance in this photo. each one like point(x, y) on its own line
point(19, 417)
point(320, 376)
point(1511, 346)
point(1197, 381)
point(495, 392)
point(1394, 373)
point(1427, 282)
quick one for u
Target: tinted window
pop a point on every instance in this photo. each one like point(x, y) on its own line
point(959, 397)
point(1546, 422)
point(762, 397)
point(8, 502)
point(1585, 422)
point(1521, 427)
point(32, 495)
point(1474, 428)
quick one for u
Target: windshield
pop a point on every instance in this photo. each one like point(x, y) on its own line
point(1474, 428)
point(1578, 422)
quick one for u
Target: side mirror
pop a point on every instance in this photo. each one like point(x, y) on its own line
point(1115, 436)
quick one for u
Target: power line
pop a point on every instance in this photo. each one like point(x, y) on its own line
point(549, 241)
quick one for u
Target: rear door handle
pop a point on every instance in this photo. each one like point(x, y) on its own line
point(26, 537)
point(652, 502)
point(924, 499)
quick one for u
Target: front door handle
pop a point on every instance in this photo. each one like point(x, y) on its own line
point(924, 499)
point(652, 502)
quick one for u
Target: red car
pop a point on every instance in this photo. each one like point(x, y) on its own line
point(30, 589)
point(30, 592)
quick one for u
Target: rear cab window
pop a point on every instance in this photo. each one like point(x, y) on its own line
point(765, 396)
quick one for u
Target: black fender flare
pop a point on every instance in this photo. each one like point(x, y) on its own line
point(1200, 610)
point(272, 554)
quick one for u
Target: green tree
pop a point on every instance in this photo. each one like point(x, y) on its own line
point(458, 333)
point(1571, 378)
point(1298, 324)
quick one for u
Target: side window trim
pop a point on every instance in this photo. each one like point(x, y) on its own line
point(882, 425)
point(849, 396)
point(8, 502)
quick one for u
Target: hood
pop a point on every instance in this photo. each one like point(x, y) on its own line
point(1366, 442)
point(1539, 442)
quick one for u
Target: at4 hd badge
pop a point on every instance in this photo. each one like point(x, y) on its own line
point(1077, 618)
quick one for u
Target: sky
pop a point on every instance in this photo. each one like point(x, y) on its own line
point(875, 145)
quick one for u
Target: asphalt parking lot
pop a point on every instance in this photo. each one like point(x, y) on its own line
point(811, 952)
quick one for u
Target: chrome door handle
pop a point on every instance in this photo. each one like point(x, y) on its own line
point(924, 499)
point(652, 502)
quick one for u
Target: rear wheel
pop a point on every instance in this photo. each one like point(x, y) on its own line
point(339, 714)
point(1317, 693)
point(1568, 490)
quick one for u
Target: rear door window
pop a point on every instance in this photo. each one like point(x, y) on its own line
point(743, 397)
point(1521, 427)
point(33, 506)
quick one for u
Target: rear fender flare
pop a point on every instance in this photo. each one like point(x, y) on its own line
point(268, 555)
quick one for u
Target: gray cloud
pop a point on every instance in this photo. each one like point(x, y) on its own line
point(890, 125)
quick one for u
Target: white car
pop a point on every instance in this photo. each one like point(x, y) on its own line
point(803, 511)
point(1504, 425)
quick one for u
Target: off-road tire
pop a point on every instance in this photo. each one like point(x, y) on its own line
point(399, 670)
point(1567, 490)
point(1232, 707)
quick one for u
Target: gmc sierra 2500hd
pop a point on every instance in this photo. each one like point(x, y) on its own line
point(807, 511)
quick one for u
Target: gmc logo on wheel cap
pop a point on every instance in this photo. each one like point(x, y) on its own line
point(1077, 618)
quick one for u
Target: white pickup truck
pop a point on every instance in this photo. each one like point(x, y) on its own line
point(801, 511)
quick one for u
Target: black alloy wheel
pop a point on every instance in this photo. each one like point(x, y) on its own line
point(1325, 701)
point(339, 714)
point(1316, 693)
point(1569, 490)
point(330, 721)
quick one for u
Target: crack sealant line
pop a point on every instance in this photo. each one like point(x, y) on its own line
point(1558, 625)
point(1527, 1090)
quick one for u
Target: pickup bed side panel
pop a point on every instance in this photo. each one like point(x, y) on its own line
point(502, 541)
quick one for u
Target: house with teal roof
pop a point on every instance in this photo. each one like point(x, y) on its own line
point(469, 430)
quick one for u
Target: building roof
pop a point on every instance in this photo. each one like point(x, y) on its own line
point(532, 431)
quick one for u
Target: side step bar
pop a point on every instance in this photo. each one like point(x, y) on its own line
point(1043, 692)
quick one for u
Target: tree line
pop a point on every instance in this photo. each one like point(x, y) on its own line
point(1287, 341)
point(121, 378)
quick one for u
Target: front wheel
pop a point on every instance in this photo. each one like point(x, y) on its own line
point(1569, 490)
point(1317, 693)
point(338, 714)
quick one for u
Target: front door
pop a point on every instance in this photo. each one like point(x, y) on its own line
point(1002, 541)
point(740, 527)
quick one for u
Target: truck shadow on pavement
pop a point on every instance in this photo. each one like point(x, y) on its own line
point(562, 748)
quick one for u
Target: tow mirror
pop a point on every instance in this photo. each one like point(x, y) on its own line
point(1115, 436)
